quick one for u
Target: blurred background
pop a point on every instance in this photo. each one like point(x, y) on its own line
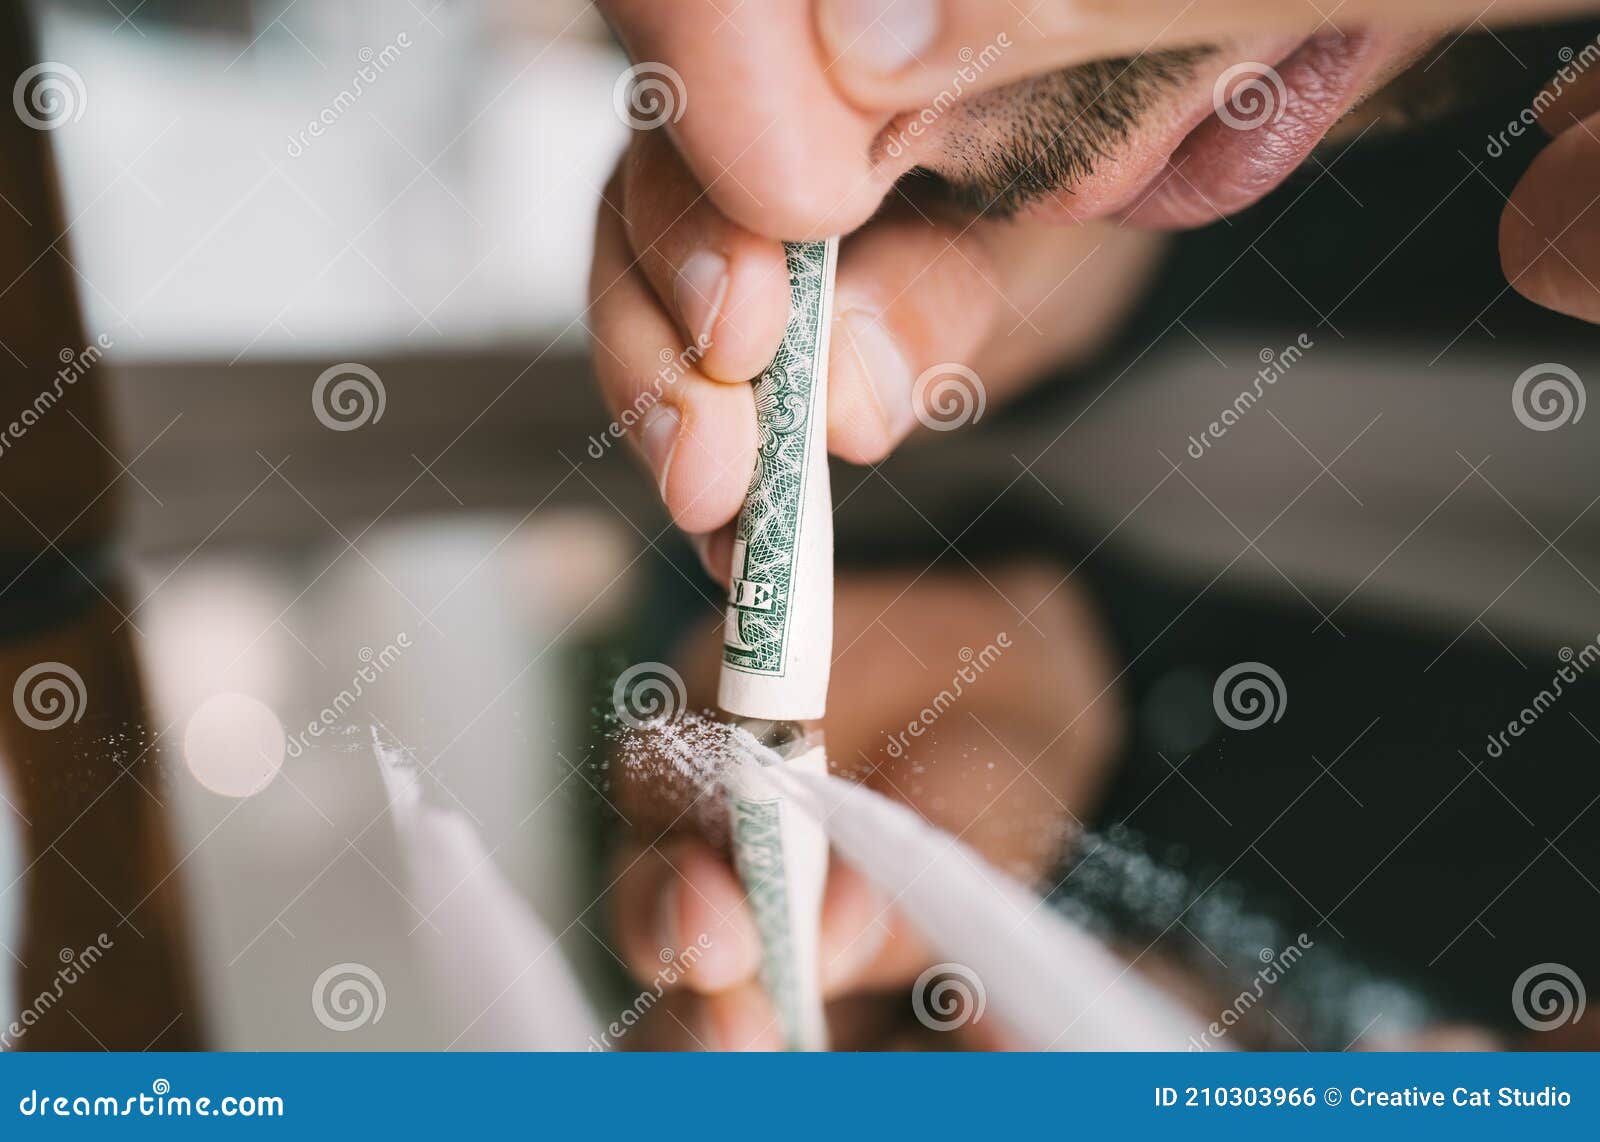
point(438, 234)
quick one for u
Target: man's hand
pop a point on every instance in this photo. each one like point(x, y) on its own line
point(918, 289)
point(1010, 766)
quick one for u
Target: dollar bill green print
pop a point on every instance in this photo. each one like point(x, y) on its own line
point(758, 850)
point(768, 530)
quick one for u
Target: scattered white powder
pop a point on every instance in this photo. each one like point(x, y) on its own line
point(1119, 890)
point(683, 761)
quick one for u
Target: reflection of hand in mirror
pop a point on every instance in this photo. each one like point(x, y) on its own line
point(1010, 766)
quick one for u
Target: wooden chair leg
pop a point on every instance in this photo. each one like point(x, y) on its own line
point(103, 959)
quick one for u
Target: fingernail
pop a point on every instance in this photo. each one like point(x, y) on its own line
point(701, 289)
point(884, 368)
point(658, 437)
point(882, 36)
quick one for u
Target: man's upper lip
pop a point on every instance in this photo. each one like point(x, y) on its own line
point(1120, 181)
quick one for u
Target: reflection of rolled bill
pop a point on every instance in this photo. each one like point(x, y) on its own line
point(782, 854)
point(778, 646)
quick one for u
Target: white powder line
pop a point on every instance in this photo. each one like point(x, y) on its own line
point(485, 948)
point(1053, 985)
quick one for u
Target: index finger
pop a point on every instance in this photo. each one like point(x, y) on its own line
point(904, 54)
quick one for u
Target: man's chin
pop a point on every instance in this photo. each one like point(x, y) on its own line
point(1236, 132)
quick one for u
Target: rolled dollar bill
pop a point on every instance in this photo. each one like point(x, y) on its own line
point(778, 637)
point(778, 647)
